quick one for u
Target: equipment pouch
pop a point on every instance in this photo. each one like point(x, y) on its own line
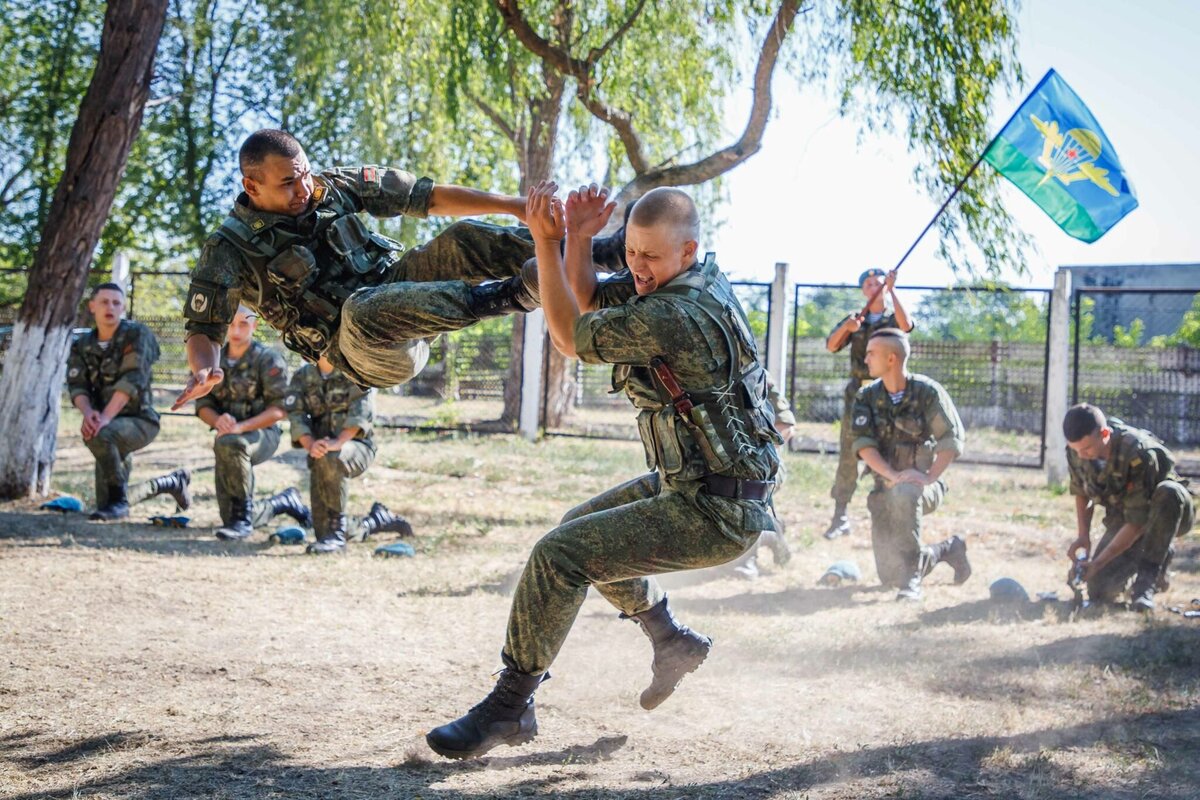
point(348, 237)
point(645, 422)
point(667, 438)
point(716, 458)
point(293, 270)
point(909, 426)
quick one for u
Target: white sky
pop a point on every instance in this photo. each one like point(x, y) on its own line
point(813, 198)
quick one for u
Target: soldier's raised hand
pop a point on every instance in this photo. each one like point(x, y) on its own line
point(889, 281)
point(198, 384)
point(588, 210)
point(544, 213)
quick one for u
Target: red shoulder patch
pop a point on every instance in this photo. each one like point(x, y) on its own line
point(369, 175)
point(274, 372)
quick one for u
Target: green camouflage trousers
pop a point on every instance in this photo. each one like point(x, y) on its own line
point(382, 337)
point(113, 448)
point(1172, 514)
point(896, 529)
point(236, 455)
point(329, 481)
point(846, 479)
point(614, 542)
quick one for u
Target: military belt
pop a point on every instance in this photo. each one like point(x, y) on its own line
point(723, 486)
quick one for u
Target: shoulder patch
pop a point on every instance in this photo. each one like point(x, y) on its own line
point(201, 299)
point(370, 175)
point(73, 372)
point(861, 419)
point(274, 372)
point(290, 400)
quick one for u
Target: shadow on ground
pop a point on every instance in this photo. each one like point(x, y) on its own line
point(974, 767)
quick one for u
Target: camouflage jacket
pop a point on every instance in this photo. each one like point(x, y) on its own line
point(1127, 479)
point(858, 343)
point(310, 263)
point(907, 434)
point(323, 406)
point(124, 366)
point(251, 384)
point(697, 326)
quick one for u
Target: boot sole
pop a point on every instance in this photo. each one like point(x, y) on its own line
point(464, 755)
point(649, 705)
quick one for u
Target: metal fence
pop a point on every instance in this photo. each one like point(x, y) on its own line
point(987, 346)
point(1136, 355)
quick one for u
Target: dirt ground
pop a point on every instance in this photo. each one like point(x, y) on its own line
point(142, 662)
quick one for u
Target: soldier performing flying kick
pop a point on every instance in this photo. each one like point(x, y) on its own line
point(682, 351)
point(295, 251)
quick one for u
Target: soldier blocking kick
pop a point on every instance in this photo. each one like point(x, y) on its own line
point(682, 351)
point(245, 410)
point(907, 431)
point(108, 377)
point(1147, 505)
point(295, 250)
point(332, 419)
point(855, 330)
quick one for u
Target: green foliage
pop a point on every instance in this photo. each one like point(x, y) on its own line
point(821, 311)
point(981, 316)
point(1188, 333)
point(1130, 337)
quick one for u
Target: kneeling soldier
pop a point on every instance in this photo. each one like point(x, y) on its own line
point(1132, 474)
point(245, 410)
point(108, 377)
point(907, 430)
point(332, 420)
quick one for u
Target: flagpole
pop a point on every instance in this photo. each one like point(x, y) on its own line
point(953, 194)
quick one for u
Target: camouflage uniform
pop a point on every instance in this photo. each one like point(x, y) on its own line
point(325, 405)
point(907, 434)
point(669, 519)
point(331, 286)
point(1136, 484)
point(96, 373)
point(846, 479)
point(252, 384)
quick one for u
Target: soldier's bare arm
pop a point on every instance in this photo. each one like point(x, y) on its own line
point(113, 410)
point(1126, 537)
point(903, 322)
point(1085, 509)
point(879, 465)
point(449, 200)
point(841, 334)
point(588, 211)
point(547, 222)
point(268, 417)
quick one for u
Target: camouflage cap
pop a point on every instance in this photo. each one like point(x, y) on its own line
point(873, 272)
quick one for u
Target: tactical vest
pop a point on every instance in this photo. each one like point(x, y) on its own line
point(304, 278)
point(727, 422)
point(103, 370)
point(327, 401)
point(240, 394)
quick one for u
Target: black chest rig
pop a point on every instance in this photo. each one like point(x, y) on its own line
point(304, 272)
point(692, 431)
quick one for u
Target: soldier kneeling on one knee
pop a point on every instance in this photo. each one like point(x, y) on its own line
point(1147, 505)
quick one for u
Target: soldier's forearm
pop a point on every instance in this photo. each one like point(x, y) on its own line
point(875, 460)
point(902, 320)
point(837, 339)
point(1084, 510)
point(202, 353)
point(448, 200)
point(558, 301)
point(82, 403)
point(266, 419)
point(119, 401)
point(941, 462)
point(581, 273)
point(208, 416)
point(1125, 538)
point(347, 435)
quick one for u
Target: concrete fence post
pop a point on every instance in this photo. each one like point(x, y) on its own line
point(1057, 379)
point(533, 353)
point(777, 330)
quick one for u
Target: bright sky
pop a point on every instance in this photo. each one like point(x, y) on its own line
point(813, 198)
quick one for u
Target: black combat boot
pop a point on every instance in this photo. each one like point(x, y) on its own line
point(953, 551)
point(380, 520)
point(499, 298)
point(332, 542)
point(1141, 595)
point(505, 716)
point(678, 650)
point(289, 502)
point(118, 504)
point(178, 485)
point(840, 524)
point(238, 526)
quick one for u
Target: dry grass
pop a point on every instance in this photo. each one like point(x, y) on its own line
point(140, 662)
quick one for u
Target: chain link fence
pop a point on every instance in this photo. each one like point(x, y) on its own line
point(1136, 355)
point(986, 345)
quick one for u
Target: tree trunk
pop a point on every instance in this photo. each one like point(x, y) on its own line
point(109, 118)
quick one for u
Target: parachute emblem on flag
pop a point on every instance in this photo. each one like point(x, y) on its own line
point(1072, 156)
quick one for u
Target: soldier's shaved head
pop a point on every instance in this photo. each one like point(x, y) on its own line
point(895, 340)
point(1083, 420)
point(669, 206)
point(263, 143)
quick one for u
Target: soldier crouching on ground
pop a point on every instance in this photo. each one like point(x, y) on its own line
point(295, 250)
point(245, 409)
point(332, 419)
point(854, 331)
point(682, 351)
point(108, 377)
point(1147, 505)
point(907, 431)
